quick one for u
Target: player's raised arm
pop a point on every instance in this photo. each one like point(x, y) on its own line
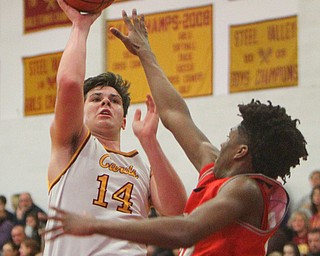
point(173, 110)
point(168, 194)
point(67, 126)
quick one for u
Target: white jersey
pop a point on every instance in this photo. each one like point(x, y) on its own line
point(105, 184)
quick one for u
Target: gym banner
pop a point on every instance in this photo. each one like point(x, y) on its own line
point(264, 55)
point(182, 41)
point(40, 83)
point(43, 14)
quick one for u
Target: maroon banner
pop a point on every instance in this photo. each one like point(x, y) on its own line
point(43, 14)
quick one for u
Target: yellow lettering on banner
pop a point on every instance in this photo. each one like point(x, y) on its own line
point(264, 55)
point(182, 41)
point(40, 83)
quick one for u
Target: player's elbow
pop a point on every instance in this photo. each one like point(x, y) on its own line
point(68, 82)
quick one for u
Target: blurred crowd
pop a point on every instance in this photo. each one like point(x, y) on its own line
point(299, 234)
point(21, 230)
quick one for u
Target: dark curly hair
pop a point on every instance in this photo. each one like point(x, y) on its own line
point(113, 80)
point(275, 144)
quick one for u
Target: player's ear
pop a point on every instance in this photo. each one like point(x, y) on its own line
point(124, 123)
point(242, 151)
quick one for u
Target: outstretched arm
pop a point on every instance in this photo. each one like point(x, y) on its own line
point(236, 201)
point(173, 110)
point(67, 126)
point(167, 190)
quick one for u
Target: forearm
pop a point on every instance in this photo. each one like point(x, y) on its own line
point(73, 60)
point(173, 232)
point(175, 115)
point(72, 64)
point(167, 99)
point(167, 190)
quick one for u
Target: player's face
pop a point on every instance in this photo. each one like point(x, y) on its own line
point(228, 150)
point(103, 109)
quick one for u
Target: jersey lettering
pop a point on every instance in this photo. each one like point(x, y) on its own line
point(102, 190)
point(122, 195)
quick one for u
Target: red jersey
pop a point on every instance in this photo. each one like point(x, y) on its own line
point(238, 238)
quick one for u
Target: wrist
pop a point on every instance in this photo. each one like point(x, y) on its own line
point(94, 227)
point(148, 140)
point(145, 53)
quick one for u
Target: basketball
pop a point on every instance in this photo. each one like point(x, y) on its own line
point(90, 6)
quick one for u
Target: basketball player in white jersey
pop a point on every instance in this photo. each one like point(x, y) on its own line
point(88, 172)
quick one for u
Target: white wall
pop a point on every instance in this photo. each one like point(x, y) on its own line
point(25, 144)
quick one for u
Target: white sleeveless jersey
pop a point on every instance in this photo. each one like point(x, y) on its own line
point(105, 184)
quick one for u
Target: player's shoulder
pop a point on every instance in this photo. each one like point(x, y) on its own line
point(242, 185)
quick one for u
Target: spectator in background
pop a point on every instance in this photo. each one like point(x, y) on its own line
point(299, 224)
point(315, 207)
point(26, 206)
point(29, 247)
point(18, 235)
point(14, 201)
point(10, 249)
point(305, 202)
point(5, 228)
point(291, 249)
point(32, 228)
point(275, 253)
point(3, 211)
point(314, 242)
